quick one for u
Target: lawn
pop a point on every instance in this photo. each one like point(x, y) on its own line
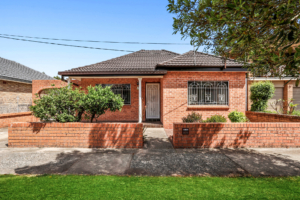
point(116, 187)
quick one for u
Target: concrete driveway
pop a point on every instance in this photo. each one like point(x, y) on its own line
point(157, 158)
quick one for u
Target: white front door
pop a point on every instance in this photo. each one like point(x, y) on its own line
point(152, 101)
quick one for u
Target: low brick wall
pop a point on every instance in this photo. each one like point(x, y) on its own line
point(6, 119)
point(267, 117)
point(235, 135)
point(87, 135)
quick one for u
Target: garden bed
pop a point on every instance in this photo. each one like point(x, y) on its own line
point(269, 117)
point(85, 135)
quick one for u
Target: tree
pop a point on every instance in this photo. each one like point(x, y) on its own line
point(266, 33)
point(59, 104)
point(98, 100)
point(261, 92)
point(57, 77)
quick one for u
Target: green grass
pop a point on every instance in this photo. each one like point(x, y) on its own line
point(115, 187)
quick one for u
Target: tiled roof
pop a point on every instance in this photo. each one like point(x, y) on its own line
point(143, 60)
point(10, 70)
point(199, 60)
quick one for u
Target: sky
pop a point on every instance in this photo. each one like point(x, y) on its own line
point(110, 20)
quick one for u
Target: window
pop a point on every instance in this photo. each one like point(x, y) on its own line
point(122, 89)
point(208, 93)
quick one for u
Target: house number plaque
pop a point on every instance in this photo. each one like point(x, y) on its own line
point(185, 131)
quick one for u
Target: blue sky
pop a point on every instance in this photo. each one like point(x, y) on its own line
point(115, 20)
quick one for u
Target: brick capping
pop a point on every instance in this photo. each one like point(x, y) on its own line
point(86, 135)
point(6, 119)
point(236, 135)
point(269, 117)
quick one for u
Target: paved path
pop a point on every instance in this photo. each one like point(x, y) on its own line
point(158, 158)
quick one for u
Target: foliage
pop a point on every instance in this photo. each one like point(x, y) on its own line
point(216, 118)
point(261, 92)
point(98, 100)
point(193, 117)
point(57, 77)
point(270, 112)
point(59, 104)
point(236, 116)
point(279, 104)
point(296, 112)
point(264, 32)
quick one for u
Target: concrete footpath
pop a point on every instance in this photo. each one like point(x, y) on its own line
point(158, 158)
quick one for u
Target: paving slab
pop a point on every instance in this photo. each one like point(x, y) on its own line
point(258, 164)
point(37, 163)
point(213, 164)
point(100, 163)
point(156, 138)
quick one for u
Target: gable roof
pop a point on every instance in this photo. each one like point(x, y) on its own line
point(13, 71)
point(139, 61)
point(199, 60)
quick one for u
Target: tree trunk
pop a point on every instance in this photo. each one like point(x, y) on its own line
point(92, 118)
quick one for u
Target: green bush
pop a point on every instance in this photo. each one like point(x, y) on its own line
point(296, 112)
point(193, 117)
point(216, 118)
point(68, 105)
point(261, 92)
point(59, 104)
point(236, 116)
point(99, 99)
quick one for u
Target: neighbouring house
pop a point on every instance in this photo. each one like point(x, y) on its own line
point(160, 85)
point(16, 86)
point(285, 89)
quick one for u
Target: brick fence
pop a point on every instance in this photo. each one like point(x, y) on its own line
point(267, 117)
point(87, 135)
point(228, 135)
point(6, 119)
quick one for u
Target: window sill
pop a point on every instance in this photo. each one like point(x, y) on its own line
point(207, 107)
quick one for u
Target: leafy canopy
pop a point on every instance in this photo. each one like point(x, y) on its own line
point(68, 105)
point(99, 99)
point(261, 92)
point(264, 33)
point(59, 104)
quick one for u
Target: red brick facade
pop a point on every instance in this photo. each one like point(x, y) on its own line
point(40, 85)
point(87, 135)
point(6, 119)
point(175, 92)
point(234, 135)
point(268, 117)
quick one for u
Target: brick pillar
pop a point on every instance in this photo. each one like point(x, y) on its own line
point(287, 95)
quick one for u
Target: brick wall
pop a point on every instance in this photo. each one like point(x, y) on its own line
point(39, 85)
point(175, 91)
point(87, 135)
point(236, 135)
point(13, 94)
point(6, 119)
point(267, 117)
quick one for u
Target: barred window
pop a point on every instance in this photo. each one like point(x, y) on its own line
point(122, 89)
point(208, 93)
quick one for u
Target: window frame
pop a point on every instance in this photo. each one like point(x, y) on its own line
point(209, 104)
point(112, 84)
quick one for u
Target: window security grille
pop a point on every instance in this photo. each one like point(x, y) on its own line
point(208, 92)
point(122, 89)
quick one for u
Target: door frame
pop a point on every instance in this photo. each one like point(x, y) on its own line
point(158, 101)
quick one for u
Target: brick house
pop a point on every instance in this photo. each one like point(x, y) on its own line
point(16, 86)
point(160, 85)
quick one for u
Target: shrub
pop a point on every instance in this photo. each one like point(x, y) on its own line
point(261, 92)
point(59, 104)
point(236, 116)
point(296, 112)
point(216, 118)
point(193, 117)
point(98, 100)
point(68, 105)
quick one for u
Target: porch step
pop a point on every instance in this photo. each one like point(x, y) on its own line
point(153, 125)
